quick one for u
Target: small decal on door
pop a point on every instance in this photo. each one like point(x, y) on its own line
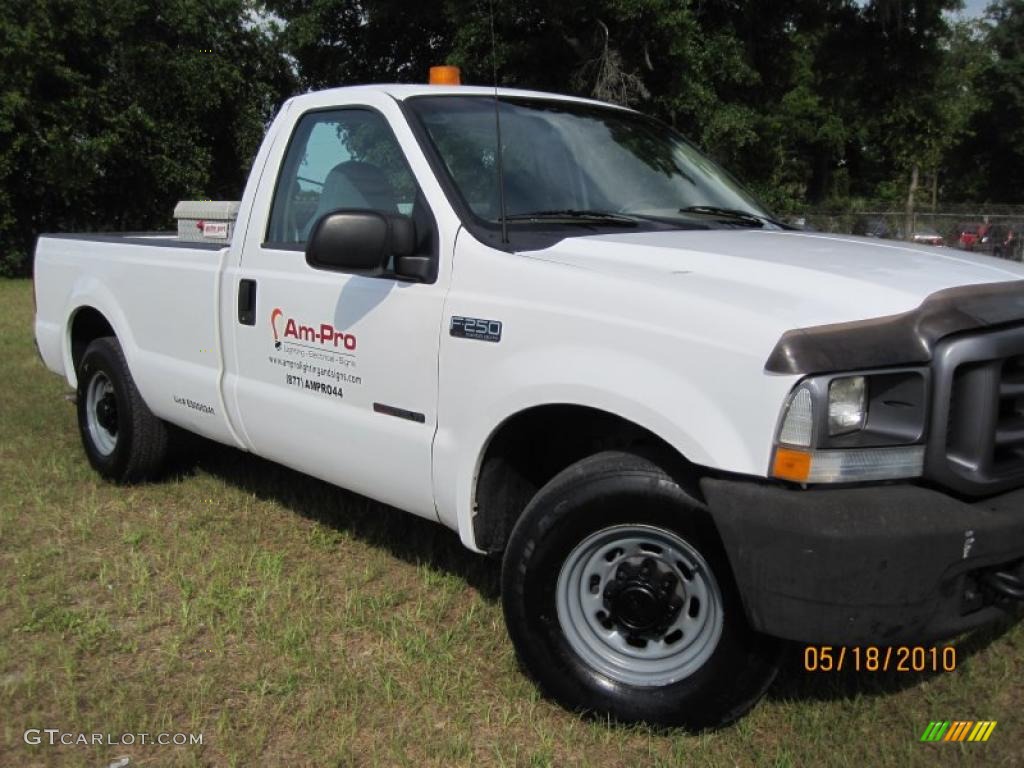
point(475, 328)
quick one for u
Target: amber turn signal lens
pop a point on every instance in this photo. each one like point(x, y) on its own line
point(445, 75)
point(792, 465)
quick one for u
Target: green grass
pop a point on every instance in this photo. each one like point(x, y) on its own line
point(292, 623)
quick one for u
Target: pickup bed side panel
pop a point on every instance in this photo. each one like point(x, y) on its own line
point(647, 362)
point(159, 300)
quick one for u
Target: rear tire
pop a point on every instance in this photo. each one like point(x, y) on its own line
point(620, 602)
point(122, 438)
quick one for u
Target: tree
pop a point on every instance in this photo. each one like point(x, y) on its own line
point(912, 124)
point(345, 42)
point(988, 165)
point(112, 111)
point(109, 112)
point(1003, 85)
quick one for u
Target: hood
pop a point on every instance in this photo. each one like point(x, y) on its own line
point(797, 279)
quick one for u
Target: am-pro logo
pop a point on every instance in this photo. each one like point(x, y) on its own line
point(286, 329)
point(958, 730)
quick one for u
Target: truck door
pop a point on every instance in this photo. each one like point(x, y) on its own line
point(336, 373)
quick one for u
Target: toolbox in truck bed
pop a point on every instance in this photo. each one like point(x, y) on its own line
point(204, 221)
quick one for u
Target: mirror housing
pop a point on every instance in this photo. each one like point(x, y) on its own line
point(421, 268)
point(360, 241)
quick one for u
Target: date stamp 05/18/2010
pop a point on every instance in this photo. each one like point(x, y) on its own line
point(873, 658)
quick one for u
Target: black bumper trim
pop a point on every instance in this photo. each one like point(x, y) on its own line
point(881, 564)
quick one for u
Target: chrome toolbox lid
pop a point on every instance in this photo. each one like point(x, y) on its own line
point(215, 210)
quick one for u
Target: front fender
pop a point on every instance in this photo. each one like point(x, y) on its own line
point(698, 423)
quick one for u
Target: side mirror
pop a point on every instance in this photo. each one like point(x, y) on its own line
point(360, 241)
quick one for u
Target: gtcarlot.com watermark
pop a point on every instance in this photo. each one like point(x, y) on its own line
point(55, 736)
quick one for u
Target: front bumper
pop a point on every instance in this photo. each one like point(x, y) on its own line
point(879, 565)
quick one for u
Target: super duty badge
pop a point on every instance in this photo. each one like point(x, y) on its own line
point(475, 328)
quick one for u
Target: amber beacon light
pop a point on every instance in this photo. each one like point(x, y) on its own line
point(445, 75)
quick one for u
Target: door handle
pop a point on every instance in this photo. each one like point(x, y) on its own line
point(247, 302)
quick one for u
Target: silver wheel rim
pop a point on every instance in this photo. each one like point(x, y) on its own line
point(668, 651)
point(101, 413)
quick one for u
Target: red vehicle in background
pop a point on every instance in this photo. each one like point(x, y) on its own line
point(970, 234)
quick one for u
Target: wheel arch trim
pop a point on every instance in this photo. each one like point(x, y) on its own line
point(91, 294)
point(625, 409)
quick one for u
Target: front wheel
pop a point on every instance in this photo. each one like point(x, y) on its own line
point(620, 602)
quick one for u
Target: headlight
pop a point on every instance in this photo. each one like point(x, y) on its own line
point(853, 427)
point(847, 405)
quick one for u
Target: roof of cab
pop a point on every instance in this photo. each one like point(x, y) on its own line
point(402, 91)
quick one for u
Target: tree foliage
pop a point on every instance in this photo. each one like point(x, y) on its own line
point(988, 165)
point(109, 112)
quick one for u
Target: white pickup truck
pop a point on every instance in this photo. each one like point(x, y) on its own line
point(688, 429)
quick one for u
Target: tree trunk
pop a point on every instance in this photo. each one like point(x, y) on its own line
point(908, 227)
point(935, 190)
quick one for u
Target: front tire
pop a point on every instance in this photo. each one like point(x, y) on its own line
point(122, 438)
point(620, 602)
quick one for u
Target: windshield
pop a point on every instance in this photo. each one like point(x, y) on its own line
point(570, 158)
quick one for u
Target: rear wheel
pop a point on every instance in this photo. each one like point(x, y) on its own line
point(122, 438)
point(620, 602)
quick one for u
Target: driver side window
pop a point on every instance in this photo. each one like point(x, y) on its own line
point(345, 158)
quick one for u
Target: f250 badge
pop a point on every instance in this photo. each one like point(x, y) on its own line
point(475, 328)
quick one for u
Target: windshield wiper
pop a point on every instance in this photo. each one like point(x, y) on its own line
point(733, 214)
point(575, 216)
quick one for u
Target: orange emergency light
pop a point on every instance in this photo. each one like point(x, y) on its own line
point(445, 75)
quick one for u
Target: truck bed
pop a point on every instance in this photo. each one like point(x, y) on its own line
point(161, 296)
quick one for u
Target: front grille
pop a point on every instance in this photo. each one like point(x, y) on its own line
point(1009, 441)
point(976, 443)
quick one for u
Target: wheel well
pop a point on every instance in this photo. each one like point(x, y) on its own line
point(533, 446)
point(87, 326)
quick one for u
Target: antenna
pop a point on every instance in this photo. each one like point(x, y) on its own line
point(497, 131)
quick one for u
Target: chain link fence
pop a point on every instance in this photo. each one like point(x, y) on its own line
point(996, 232)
